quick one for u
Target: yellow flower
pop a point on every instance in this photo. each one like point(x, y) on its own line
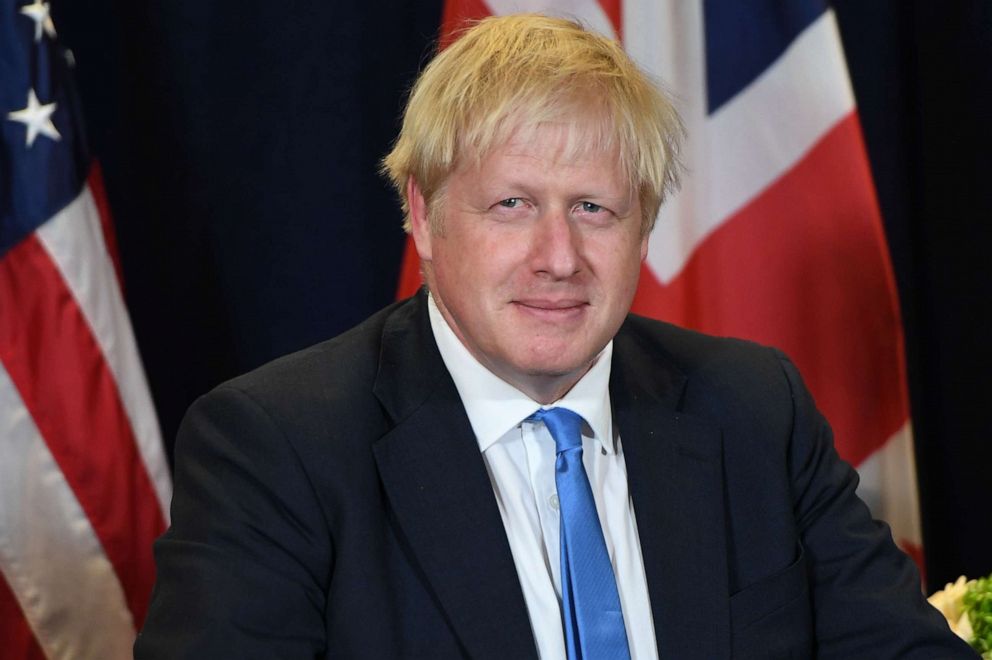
point(949, 601)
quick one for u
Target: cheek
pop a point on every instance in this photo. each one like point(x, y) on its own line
point(618, 262)
point(469, 274)
point(489, 261)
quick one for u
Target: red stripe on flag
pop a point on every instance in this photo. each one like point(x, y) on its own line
point(18, 638)
point(410, 278)
point(457, 15)
point(612, 10)
point(804, 266)
point(57, 367)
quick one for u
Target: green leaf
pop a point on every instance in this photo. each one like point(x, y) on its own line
point(978, 605)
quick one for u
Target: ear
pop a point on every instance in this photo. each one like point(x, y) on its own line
point(420, 228)
point(644, 247)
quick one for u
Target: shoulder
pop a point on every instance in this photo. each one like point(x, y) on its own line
point(324, 388)
point(719, 369)
point(692, 351)
point(752, 393)
point(337, 365)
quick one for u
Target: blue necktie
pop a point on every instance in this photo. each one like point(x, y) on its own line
point(591, 613)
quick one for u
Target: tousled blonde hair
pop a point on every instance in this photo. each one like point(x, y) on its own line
point(509, 74)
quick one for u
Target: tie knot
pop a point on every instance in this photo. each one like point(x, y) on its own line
point(564, 425)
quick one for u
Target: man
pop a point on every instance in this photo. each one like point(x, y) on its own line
point(511, 466)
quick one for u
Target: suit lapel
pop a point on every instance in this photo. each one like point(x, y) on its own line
point(437, 485)
point(675, 475)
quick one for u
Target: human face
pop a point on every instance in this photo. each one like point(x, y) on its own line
point(537, 258)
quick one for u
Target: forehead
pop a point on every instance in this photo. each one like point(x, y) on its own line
point(560, 142)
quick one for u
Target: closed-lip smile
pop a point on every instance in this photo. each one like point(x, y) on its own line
point(550, 308)
point(547, 303)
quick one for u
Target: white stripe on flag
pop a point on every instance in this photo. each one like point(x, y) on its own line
point(588, 12)
point(888, 486)
point(752, 140)
point(74, 239)
point(666, 39)
point(49, 553)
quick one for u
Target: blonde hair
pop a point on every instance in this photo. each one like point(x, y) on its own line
point(512, 73)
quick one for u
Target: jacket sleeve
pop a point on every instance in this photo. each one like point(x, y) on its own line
point(866, 593)
point(241, 573)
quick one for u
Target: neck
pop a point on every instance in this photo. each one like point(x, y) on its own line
point(543, 388)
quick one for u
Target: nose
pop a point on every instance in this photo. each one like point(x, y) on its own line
point(556, 246)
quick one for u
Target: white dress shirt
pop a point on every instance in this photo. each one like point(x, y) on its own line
point(520, 459)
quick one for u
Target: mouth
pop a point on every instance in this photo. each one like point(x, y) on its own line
point(552, 309)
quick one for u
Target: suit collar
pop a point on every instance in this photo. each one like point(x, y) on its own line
point(436, 481)
point(675, 474)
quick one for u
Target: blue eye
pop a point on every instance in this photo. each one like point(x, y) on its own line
point(589, 207)
point(511, 202)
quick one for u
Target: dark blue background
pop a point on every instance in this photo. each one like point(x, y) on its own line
point(240, 144)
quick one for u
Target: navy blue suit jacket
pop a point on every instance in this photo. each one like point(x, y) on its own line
point(335, 504)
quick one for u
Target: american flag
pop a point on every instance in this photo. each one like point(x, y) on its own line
point(84, 485)
point(776, 235)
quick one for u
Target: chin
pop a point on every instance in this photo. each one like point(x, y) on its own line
point(556, 367)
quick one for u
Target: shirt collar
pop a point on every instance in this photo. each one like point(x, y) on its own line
point(494, 406)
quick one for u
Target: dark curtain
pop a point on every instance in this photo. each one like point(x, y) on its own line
point(240, 145)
